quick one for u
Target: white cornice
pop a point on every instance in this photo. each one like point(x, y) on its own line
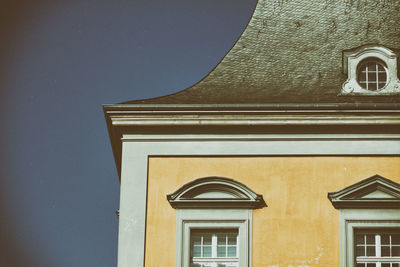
point(248, 120)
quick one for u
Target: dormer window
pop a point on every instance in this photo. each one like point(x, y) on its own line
point(372, 74)
point(371, 70)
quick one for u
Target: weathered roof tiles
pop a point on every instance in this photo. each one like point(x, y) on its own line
point(291, 52)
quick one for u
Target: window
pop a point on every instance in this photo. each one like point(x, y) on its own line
point(214, 248)
point(369, 217)
point(377, 248)
point(214, 222)
point(371, 70)
point(372, 75)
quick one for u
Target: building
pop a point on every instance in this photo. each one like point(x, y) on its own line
point(286, 154)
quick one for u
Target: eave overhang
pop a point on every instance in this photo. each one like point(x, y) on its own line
point(164, 119)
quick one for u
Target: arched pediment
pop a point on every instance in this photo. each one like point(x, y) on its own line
point(373, 192)
point(215, 192)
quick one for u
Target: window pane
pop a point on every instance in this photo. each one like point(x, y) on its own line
point(232, 251)
point(385, 264)
point(232, 240)
point(396, 239)
point(221, 239)
point(196, 240)
point(385, 239)
point(359, 239)
point(207, 251)
point(371, 76)
point(360, 264)
point(221, 251)
point(196, 251)
point(207, 240)
point(395, 251)
point(371, 265)
point(360, 251)
point(395, 264)
point(385, 251)
point(370, 239)
point(370, 250)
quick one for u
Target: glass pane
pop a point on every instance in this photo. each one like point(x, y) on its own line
point(385, 265)
point(196, 251)
point(196, 240)
point(221, 239)
point(395, 264)
point(221, 251)
point(232, 239)
point(382, 77)
point(370, 239)
point(395, 239)
point(371, 76)
point(207, 240)
point(370, 251)
point(360, 264)
point(361, 77)
point(360, 251)
point(385, 239)
point(207, 251)
point(395, 251)
point(232, 251)
point(385, 251)
point(371, 265)
point(359, 239)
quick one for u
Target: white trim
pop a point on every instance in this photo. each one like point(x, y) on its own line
point(188, 219)
point(136, 149)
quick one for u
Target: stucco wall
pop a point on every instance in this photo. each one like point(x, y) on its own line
point(299, 227)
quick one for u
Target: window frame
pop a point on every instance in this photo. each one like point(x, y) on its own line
point(352, 220)
point(214, 235)
point(213, 219)
point(352, 60)
point(377, 247)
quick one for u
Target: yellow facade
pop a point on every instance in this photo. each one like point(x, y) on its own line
point(299, 227)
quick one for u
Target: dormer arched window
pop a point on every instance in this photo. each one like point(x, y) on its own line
point(371, 70)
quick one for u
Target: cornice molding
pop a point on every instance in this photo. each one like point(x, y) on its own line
point(373, 192)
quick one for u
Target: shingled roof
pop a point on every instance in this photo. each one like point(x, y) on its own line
point(291, 52)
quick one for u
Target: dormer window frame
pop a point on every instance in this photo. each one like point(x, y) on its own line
point(354, 58)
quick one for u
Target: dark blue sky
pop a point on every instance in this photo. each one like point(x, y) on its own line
point(60, 61)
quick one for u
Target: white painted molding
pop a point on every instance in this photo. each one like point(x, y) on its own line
point(353, 58)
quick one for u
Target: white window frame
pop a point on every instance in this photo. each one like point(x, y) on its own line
point(214, 259)
point(213, 219)
point(378, 258)
point(354, 57)
point(352, 220)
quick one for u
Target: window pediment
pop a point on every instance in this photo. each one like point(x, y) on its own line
point(215, 192)
point(373, 192)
